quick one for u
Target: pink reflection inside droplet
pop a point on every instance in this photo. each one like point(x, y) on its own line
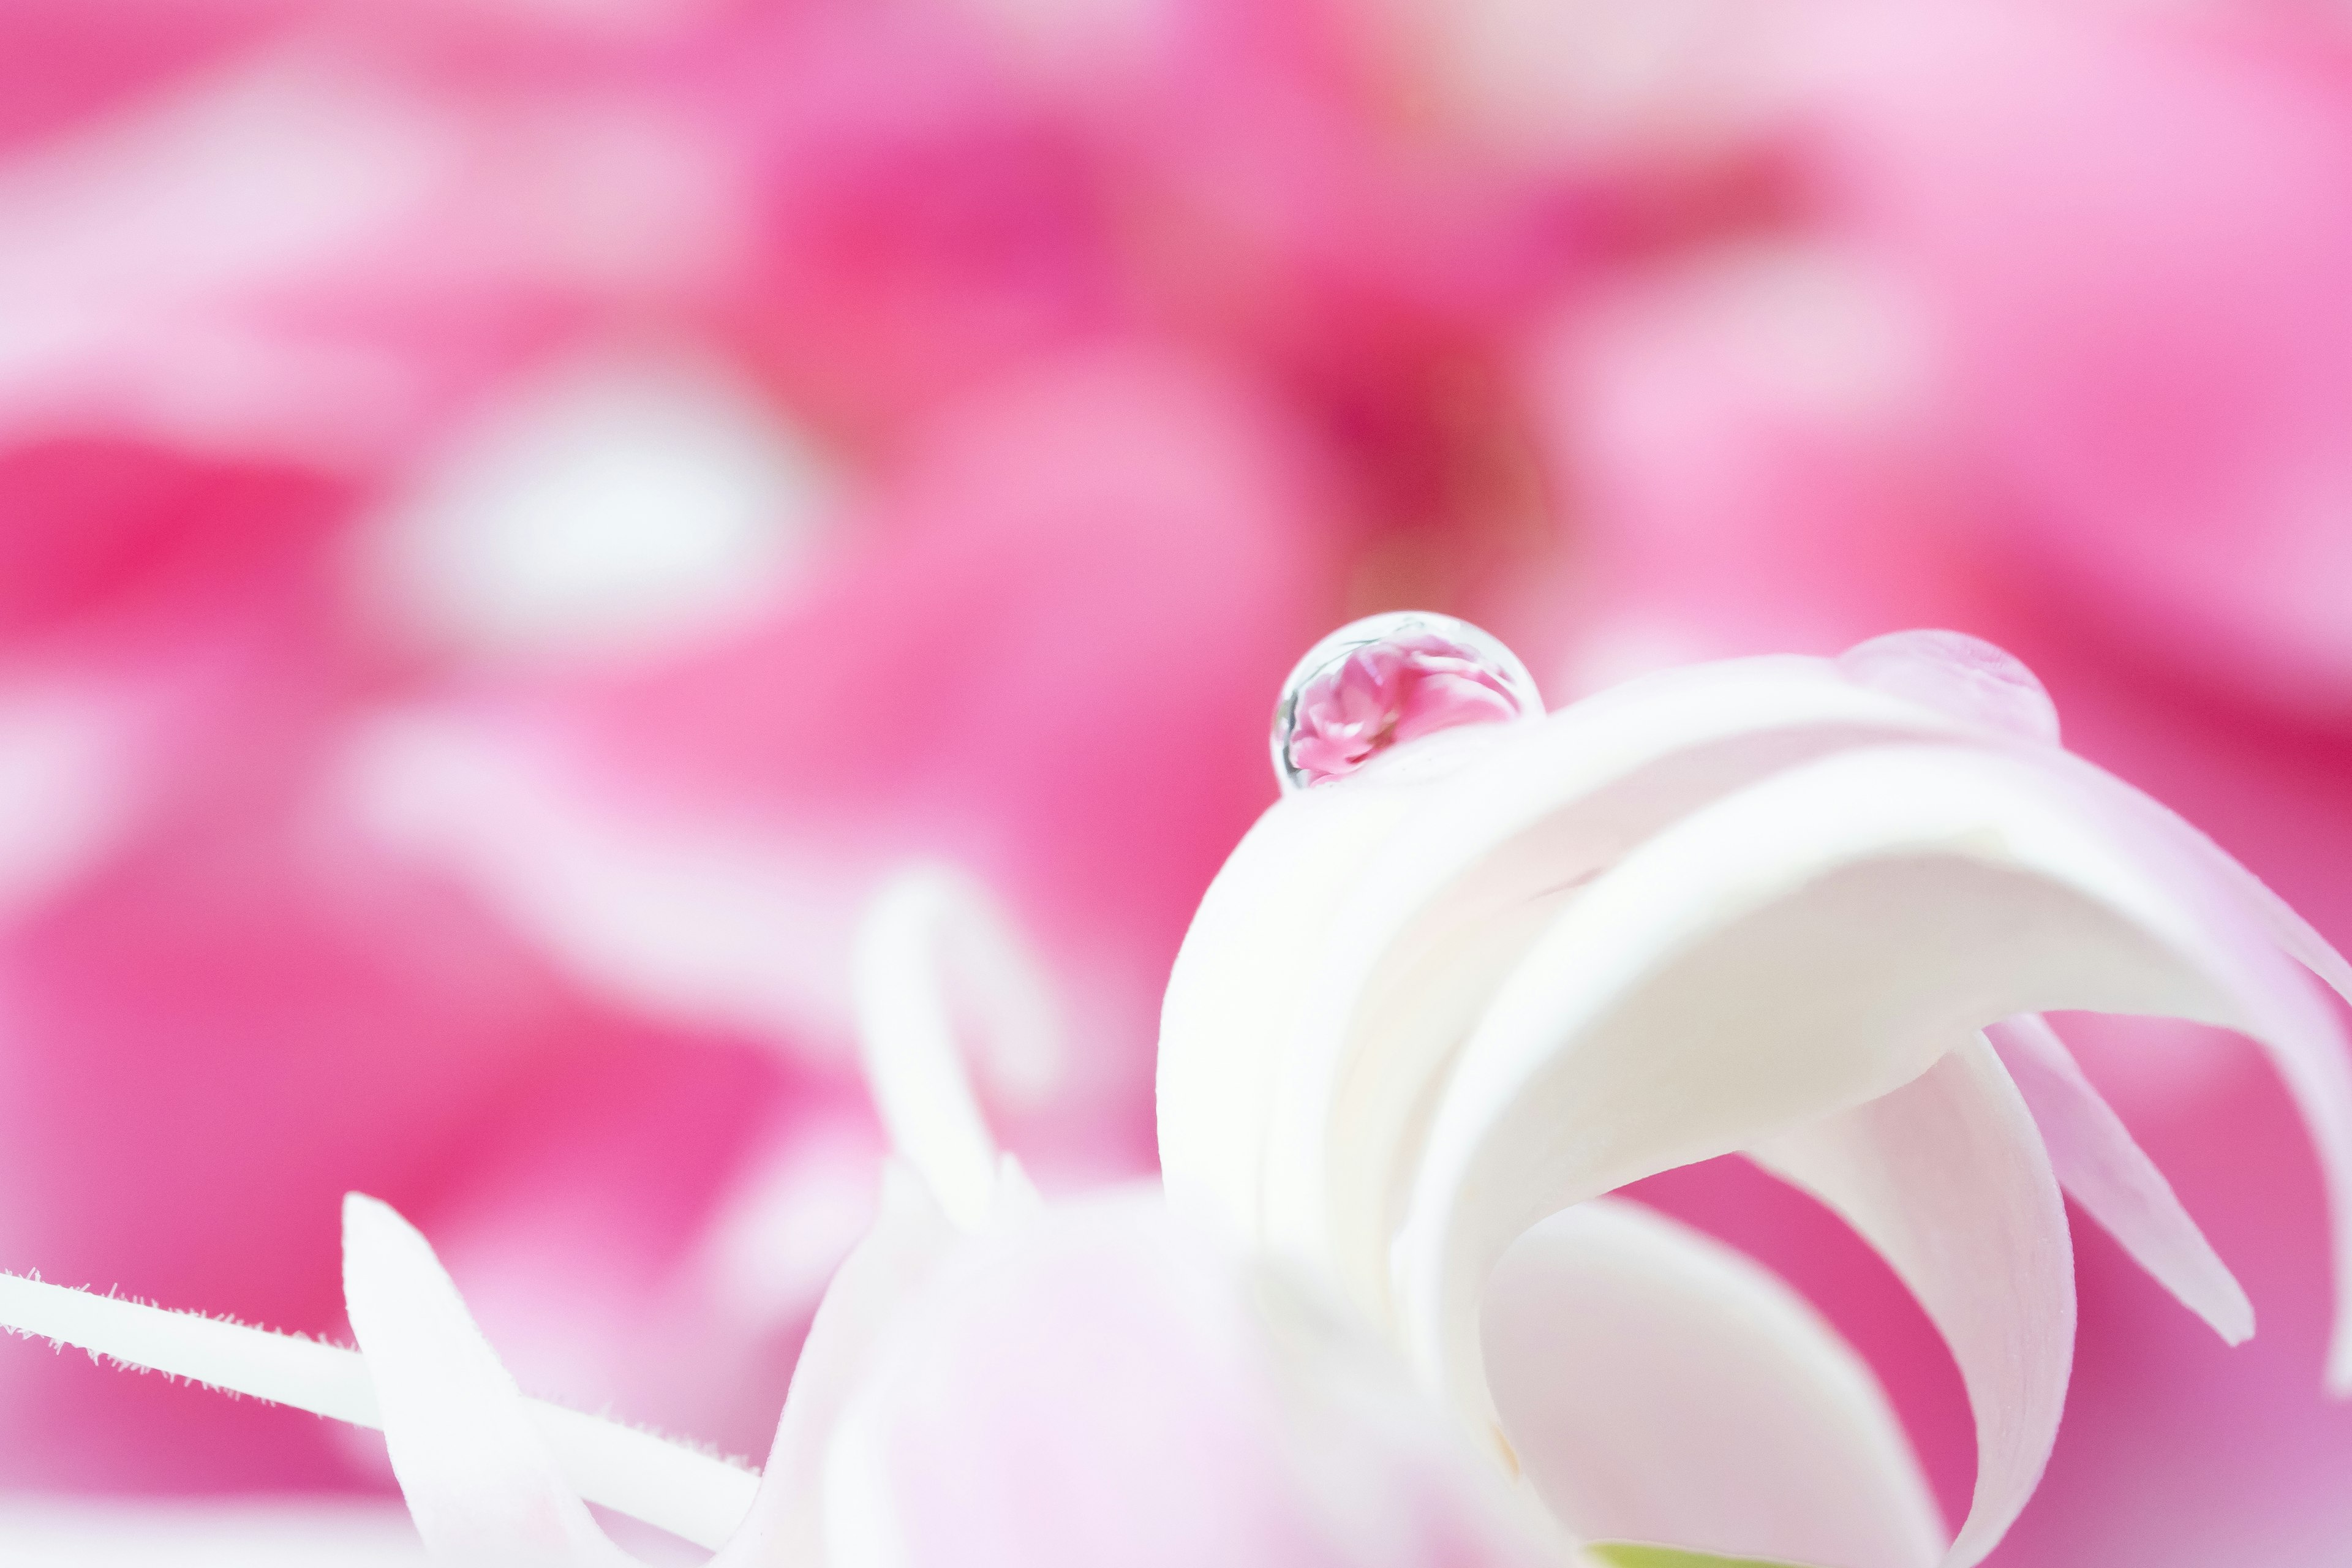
point(1388, 692)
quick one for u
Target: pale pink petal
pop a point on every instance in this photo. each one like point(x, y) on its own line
point(1658, 1386)
point(1103, 1385)
point(908, 1239)
point(2303, 1036)
point(480, 1479)
point(2104, 1170)
point(1947, 1178)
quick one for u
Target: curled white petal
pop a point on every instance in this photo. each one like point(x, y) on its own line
point(1947, 1178)
point(2303, 1036)
point(1354, 940)
point(909, 1238)
point(1308, 1011)
point(1802, 946)
point(1327, 974)
point(1239, 987)
point(2101, 1167)
point(1656, 1386)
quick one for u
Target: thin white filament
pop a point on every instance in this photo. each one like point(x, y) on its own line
point(690, 1494)
point(914, 1050)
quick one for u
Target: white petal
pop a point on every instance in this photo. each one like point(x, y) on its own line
point(480, 1479)
point(1947, 1178)
point(1656, 1386)
point(1800, 947)
point(1327, 986)
point(2117, 1184)
point(2304, 1035)
point(909, 1238)
point(1334, 949)
point(1240, 984)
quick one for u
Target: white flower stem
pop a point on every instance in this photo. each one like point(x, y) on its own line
point(647, 1477)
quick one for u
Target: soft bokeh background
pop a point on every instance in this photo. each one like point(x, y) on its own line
point(513, 515)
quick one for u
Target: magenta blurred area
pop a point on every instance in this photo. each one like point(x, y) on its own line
point(513, 515)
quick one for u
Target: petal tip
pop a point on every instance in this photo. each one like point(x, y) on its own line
point(2233, 1319)
point(371, 1221)
point(2338, 1382)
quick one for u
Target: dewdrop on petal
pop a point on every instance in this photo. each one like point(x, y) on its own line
point(1379, 682)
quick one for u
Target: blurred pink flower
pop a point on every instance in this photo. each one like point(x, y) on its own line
point(1149, 338)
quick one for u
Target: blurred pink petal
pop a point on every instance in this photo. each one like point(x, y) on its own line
point(64, 62)
point(228, 1005)
point(2160, 374)
point(2018, 319)
point(1754, 440)
point(1036, 664)
point(918, 225)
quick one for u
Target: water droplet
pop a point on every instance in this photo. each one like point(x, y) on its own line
point(1954, 673)
point(1377, 683)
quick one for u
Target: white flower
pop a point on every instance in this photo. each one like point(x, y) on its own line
point(1768, 906)
point(1428, 1015)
